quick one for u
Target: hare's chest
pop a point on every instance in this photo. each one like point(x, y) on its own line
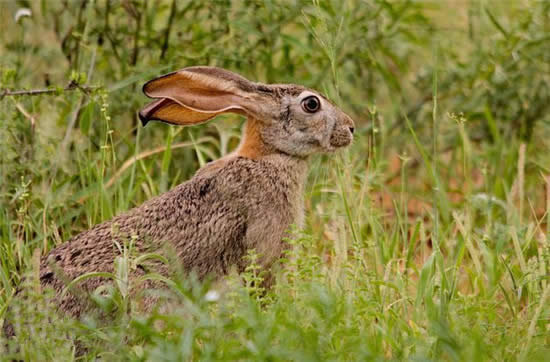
point(286, 199)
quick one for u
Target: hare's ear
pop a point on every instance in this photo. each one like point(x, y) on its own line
point(197, 94)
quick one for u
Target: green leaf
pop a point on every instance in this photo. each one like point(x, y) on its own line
point(84, 277)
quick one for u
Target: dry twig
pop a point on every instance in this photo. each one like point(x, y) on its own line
point(35, 92)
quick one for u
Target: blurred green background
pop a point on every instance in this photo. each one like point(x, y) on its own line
point(427, 238)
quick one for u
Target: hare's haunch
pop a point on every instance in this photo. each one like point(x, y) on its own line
point(246, 200)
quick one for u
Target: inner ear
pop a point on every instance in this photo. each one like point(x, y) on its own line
point(201, 92)
point(166, 110)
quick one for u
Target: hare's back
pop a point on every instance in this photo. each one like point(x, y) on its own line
point(196, 220)
point(204, 222)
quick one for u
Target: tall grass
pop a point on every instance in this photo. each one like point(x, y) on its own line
point(427, 239)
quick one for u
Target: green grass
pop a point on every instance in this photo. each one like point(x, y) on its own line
point(427, 239)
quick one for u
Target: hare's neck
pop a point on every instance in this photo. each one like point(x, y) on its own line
point(290, 168)
point(252, 145)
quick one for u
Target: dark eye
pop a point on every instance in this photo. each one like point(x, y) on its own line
point(311, 104)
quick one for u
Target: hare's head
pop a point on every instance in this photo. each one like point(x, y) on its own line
point(289, 118)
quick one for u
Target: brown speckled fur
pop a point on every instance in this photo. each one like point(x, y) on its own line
point(210, 220)
point(246, 200)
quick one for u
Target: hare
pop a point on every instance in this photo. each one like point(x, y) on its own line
point(245, 200)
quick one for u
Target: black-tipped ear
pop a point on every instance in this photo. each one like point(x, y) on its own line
point(148, 112)
point(143, 119)
point(197, 94)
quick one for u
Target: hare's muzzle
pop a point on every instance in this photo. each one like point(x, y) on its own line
point(342, 134)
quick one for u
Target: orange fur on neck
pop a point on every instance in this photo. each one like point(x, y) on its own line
point(252, 145)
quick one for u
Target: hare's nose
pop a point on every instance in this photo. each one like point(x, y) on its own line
point(351, 129)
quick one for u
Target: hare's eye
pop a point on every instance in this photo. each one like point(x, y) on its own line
point(311, 104)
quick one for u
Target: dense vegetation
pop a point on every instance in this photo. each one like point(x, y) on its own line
point(429, 238)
